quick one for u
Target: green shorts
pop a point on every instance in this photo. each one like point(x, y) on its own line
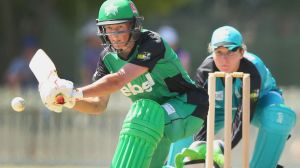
point(185, 114)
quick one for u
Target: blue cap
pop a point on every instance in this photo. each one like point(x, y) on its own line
point(226, 36)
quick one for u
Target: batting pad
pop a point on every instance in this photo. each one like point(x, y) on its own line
point(161, 153)
point(141, 132)
point(277, 120)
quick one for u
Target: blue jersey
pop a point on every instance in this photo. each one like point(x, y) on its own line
point(261, 81)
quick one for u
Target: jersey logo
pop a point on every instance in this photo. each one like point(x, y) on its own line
point(143, 56)
point(111, 9)
point(254, 95)
point(219, 95)
point(131, 89)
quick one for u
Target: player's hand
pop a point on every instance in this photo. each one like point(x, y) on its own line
point(62, 92)
point(69, 93)
point(70, 97)
point(48, 91)
point(52, 89)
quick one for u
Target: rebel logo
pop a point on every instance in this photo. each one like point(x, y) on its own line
point(134, 89)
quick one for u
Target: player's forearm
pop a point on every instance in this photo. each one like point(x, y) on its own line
point(91, 105)
point(104, 86)
point(113, 82)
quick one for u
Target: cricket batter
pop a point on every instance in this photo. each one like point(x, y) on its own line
point(268, 110)
point(167, 105)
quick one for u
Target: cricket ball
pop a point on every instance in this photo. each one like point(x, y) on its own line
point(18, 104)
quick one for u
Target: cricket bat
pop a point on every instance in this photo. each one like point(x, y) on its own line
point(42, 66)
point(44, 69)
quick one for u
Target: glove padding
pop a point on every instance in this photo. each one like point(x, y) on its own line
point(51, 89)
point(197, 152)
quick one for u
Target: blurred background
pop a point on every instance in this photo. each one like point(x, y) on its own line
point(66, 31)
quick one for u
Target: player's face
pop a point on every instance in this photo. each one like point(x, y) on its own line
point(226, 60)
point(118, 34)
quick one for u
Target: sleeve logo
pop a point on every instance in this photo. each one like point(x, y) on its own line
point(144, 56)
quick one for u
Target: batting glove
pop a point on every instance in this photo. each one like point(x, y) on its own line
point(59, 87)
point(48, 91)
point(66, 90)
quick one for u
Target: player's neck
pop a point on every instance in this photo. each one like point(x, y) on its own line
point(125, 53)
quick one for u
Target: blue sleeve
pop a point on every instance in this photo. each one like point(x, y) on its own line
point(267, 80)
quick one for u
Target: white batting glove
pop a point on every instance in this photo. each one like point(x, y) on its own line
point(54, 107)
point(48, 92)
point(72, 97)
point(59, 87)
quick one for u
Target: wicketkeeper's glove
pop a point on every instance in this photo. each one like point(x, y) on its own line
point(197, 152)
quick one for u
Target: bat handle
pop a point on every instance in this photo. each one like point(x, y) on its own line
point(60, 99)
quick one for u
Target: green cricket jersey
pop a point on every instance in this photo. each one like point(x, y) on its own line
point(166, 77)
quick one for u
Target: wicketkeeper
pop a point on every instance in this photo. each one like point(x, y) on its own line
point(267, 108)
